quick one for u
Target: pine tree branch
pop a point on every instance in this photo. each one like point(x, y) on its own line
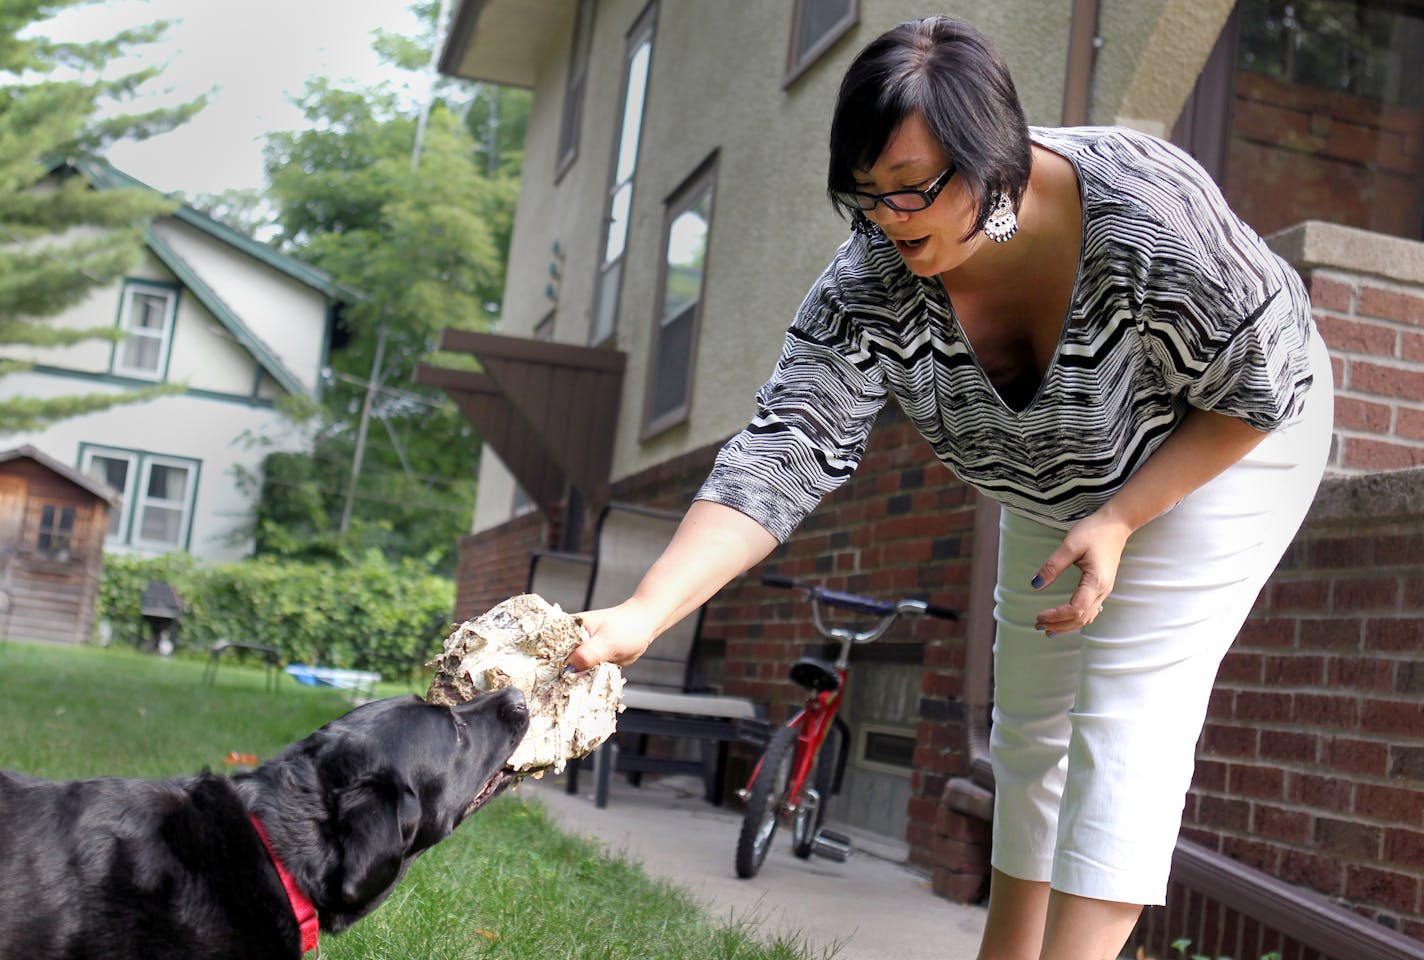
point(25, 414)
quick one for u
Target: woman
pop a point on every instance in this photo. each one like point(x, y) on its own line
point(1081, 329)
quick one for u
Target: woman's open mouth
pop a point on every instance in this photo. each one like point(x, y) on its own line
point(911, 248)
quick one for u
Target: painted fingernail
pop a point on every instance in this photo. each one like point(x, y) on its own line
point(1051, 634)
point(568, 668)
point(1036, 582)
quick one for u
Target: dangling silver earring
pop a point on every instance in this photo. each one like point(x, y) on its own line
point(1001, 223)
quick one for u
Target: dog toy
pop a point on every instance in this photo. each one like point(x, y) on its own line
point(523, 642)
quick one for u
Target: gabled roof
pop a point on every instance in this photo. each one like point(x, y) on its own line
point(231, 322)
point(105, 176)
point(101, 490)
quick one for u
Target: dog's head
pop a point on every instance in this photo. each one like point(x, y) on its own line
point(383, 783)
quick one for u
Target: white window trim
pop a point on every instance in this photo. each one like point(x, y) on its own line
point(125, 495)
point(131, 289)
point(141, 500)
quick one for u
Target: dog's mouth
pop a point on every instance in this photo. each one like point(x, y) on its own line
point(496, 785)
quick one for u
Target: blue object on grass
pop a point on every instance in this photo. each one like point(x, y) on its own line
point(313, 676)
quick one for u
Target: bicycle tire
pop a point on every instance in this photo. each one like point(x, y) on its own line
point(764, 805)
point(807, 823)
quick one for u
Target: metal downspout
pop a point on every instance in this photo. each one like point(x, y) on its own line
point(974, 795)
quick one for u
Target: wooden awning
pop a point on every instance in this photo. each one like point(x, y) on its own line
point(549, 410)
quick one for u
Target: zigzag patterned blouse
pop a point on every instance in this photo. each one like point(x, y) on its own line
point(1177, 303)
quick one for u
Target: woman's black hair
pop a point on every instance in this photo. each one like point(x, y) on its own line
point(951, 75)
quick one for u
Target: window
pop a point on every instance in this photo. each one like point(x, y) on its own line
point(157, 494)
point(679, 309)
point(163, 505)
point(146, 313)
point(1328, 97)
point(620, 190)
point(113, 468)
point(885, 748)
point(574, 85)
point(56, 532)
point(815, 27)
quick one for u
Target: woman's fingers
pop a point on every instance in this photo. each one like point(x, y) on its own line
point(1070, 616)
point(614, 636)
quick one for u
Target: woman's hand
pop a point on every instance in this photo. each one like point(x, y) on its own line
point(618, 635)
point(1094, 545)
point(1202, 445)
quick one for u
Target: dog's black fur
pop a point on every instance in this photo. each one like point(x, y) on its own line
point(115, 869)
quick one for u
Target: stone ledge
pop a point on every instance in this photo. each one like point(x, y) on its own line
point(1316, 243)
point(1374, 496)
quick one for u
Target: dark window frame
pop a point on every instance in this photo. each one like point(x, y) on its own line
point(799, 61)
point(702, 181)
point(575, 87)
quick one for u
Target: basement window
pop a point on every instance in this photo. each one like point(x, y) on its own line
point(885, 748)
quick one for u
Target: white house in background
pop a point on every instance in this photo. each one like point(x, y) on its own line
point(239, 325)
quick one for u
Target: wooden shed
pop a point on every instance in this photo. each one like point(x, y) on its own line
point(52, 525)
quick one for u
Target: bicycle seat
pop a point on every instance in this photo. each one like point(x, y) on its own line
point(815, 674)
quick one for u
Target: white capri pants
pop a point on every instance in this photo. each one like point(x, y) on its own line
point(1094, 735)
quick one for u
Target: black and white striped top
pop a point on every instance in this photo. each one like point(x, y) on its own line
point(1176, 303)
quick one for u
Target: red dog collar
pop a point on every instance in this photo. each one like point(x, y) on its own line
point(302, 908)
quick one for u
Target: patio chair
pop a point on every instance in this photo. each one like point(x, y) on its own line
point(560, 578)
point(663, 696)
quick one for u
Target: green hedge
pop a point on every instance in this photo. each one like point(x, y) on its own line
point(367, 615)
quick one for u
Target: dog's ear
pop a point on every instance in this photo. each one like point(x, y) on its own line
point(377, 818)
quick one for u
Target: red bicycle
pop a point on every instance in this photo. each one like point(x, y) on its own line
point(812, 747)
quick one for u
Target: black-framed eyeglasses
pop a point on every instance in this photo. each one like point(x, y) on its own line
point(905, 201)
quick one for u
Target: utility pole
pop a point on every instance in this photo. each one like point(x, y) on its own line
point(372, 385)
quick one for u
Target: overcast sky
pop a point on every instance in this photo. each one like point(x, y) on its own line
point(252, 57)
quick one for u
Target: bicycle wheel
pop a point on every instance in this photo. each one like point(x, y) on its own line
point(764, 805)
point(809, 817)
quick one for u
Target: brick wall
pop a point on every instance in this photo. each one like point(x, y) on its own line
point(493, 564)
point(1375, 330)
point(1351, 159)
point(1311, 765)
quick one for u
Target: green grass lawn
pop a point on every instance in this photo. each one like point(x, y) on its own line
point(508, 885)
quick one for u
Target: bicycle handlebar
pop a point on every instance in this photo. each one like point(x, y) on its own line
point(859, 604)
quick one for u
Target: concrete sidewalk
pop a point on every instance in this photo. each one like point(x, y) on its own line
point(872, 906)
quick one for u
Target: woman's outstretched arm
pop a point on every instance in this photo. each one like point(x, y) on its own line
point(712, 545)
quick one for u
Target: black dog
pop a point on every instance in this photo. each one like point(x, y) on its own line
point(212, 868)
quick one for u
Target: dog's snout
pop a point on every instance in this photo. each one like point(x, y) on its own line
point(514, 710)
point(508, 704)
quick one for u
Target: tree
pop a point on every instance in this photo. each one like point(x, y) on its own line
point(425, 235)
point(59, 239)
